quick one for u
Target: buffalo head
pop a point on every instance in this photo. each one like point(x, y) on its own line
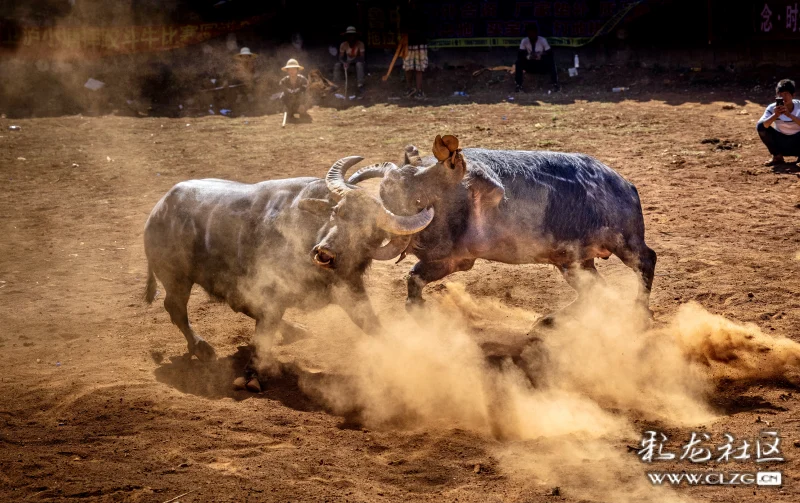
point(408, 189)
point(359, 224)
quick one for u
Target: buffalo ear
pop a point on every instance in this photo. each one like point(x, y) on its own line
point(451, 142)
point(319, 207)
point(440, 150)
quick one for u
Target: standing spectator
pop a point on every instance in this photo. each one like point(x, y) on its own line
point(779, 125)
point(293, 91)
point(535, 56)
point(413, 25)
point(351, 52)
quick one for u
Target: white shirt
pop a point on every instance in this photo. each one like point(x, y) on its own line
point(783, 124)
point(540, 46)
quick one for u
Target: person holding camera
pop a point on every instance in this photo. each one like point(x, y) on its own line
point(780, 124)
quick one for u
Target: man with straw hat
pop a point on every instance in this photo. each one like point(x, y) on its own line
point(351, 52)
point(293, 90)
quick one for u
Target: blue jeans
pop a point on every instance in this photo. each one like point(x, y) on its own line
point(778, 143)
point(359, 65)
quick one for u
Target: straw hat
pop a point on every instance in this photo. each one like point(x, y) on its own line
point(245, 52)
point(351, 30)
point(292, 63)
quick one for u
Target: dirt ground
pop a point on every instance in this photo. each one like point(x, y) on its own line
point(98, 402)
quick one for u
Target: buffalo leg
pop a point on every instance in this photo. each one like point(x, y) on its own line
point(425, 272)
point(582, 277)
point(175, 303)
point(642, 260)
point(267, 323)
point(355, 302)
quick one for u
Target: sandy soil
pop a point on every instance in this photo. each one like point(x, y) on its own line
point(98, 403)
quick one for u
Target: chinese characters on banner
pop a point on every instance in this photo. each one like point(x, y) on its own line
point(700, 448)
point(777, 19)
point(83, 41)
point(448, 19)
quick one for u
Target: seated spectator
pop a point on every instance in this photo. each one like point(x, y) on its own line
point(351, 53)
point(779, 125)
point(293, 90)
point(535, 56)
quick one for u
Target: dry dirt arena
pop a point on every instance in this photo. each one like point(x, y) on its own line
point(99, 403)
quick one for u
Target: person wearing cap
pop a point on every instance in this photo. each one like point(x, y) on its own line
point(779, 127)
point(351, 52)
point(293, 90)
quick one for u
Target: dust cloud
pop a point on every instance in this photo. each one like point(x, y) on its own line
point(201, 78)
point(565, 410)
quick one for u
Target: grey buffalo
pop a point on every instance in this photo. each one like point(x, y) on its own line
point(515, 207)
point(269, 246)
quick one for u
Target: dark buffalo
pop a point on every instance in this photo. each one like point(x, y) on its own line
point(516, 207)
point(265, 247)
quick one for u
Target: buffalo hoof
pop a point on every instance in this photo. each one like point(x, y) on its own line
point(253, 385)
point(414, 304)
point(204, 351)
point(239, 384)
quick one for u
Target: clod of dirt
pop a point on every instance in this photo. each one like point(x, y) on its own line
point(710, 140)
point(729, 107)
point(477, 468)
point(556, 491)
point(797, 443)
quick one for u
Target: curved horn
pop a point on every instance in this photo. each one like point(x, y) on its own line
point(373, 171)
point(393, 248)
point(402, 225)
point(335, 177)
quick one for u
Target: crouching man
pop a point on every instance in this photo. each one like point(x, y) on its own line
point(779, 125)
point(293, 91)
